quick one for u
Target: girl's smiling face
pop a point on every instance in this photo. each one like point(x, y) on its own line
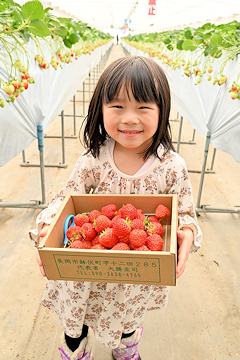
point(130, 123)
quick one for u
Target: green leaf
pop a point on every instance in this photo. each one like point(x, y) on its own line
point(207, 35)
point(170, 47)
point(167, 41)
point(16, 16)
point(188, 34)
point(47, 9)
point(54, 23)
point(216, 40)
point(73, 38)
point(61, 31)
point(198, 40)
point(179, 44)
point(189, 45)
point(32, 10)
point(207, 50)
point(3, 7)
point(67, 43)
point(38, 28)
point(213, 51)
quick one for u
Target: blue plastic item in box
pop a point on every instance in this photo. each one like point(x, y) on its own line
point(68, 223)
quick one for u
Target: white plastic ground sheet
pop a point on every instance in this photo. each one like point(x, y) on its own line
point(207, 107)
point(43, 101)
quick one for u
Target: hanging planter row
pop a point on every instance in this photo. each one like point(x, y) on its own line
point(195, 51)
point(64, 38)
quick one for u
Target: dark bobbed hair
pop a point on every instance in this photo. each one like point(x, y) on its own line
point(148, 83)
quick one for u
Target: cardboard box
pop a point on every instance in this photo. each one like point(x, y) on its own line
point(133, 267)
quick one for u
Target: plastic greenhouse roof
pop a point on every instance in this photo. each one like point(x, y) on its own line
point(167, 14)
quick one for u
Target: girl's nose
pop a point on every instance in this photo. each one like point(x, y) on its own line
point(130, 118)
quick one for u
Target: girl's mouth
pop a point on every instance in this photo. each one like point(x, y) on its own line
point(130, 132)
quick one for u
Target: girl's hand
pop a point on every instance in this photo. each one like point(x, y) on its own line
point(185, 240)
point(42, 233)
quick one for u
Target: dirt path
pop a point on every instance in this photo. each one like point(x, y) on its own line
point(201, 321)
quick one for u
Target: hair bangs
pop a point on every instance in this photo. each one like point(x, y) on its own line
point(134, 77)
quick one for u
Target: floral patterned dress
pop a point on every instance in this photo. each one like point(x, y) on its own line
point(110, 308)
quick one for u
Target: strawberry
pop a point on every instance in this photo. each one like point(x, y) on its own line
point(162, 212)
point(16, 84)
point(124, 239)
point(138, 237)
point(25, 77)
point(95, 240)
point(23, 69)
point(118, 216)
point(74, 233)
point(140, 215)
point(121, 227)
point(25, 84)
point(154, 242)
point(107, 238)
point(137, 224)
point(152, 219)
point(154, 228)
point(8, 89)
point(88, 231)
point(93, 215)
point(234, 95)
point(101, 223)
point(120, 246)
point(78, 244)
point(81, 219)
point(98, 247)
point(129, 211)
point(141, 248)
point(109, 210)
point(131, 246)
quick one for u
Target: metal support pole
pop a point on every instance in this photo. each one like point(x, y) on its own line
point(84, 98)
point(213, 159)
point(193, 138)
point(23, 156)
point(89, 83)
point(63, 139)
point(74, 115)
point(179, 134)
point(207, 143)
point(40, 148)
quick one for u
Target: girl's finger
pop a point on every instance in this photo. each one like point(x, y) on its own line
point(44, 230)
point(39, 261)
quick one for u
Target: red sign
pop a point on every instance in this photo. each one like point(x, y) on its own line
point(152, 4)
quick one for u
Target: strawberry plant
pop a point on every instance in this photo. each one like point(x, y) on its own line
point(31, 24)
point(194, 50)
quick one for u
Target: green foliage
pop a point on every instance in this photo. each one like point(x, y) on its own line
point(211, 39)
point(64, 38)
point(32, 19)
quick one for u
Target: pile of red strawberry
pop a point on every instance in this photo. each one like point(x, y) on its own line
point(126, 228)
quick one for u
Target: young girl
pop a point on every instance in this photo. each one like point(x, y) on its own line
point(129, 151)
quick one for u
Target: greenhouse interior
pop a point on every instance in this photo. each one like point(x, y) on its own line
point(73, 140)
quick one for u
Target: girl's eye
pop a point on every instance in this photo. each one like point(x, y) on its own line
point(118, 106)
point(143, 107)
